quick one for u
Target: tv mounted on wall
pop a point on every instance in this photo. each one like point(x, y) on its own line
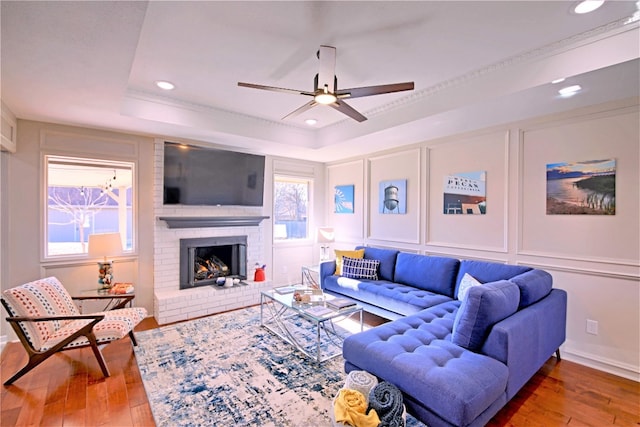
point(196, 175)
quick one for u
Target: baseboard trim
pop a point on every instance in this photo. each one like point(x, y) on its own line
point(603, 364)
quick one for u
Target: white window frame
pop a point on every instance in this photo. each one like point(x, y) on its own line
point(87, 160)
point(310, 189)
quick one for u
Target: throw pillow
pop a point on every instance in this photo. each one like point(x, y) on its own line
point(355, 268)
point(351, 254)
point(483, 307)
point(467, 281)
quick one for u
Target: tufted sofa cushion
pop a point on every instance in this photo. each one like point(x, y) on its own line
point(483, 307)
point(430, 273)
point(393, 297)
point(417, 353)
point(387, 258)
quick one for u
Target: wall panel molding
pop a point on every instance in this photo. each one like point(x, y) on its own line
point(76, 143)
point(581, 270)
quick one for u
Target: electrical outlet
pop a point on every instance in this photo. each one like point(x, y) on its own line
point(592, 327)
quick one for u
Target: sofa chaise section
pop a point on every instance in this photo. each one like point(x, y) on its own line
point(458, 349)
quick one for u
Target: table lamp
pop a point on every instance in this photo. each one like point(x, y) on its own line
point(325, 235)
point(105, 245)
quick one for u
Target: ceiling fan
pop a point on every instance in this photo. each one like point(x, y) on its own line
point(326, 92)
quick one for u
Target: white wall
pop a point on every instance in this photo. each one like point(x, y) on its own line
point(23, 197)
point(595, 258)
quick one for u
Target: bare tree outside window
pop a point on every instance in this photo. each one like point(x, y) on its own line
point(86, 196)
point(291, 204)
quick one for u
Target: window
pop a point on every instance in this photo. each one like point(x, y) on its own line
point(86, 196)
point(291, 207)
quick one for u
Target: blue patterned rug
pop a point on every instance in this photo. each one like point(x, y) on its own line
point(226, 370)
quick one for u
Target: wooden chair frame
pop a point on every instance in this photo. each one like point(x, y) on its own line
point(37, 357)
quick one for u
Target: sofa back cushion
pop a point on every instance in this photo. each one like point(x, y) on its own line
point(485, 272)
point(387, 258)
point(483, 307)
point(430, 273)
point(534, 285)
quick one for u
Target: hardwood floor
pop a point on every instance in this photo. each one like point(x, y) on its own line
point(68, 389)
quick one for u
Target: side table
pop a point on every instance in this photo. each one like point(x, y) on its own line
point(113, 301)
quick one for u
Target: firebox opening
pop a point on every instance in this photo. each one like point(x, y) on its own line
point(204, 260)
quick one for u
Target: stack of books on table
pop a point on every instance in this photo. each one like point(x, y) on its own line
point(340, 303)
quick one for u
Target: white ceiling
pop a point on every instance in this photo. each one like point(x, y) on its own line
point(475, 64)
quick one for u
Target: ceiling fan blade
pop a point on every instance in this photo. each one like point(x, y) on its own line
point(358, 92)
point(275, 89)
point(301, 110)
point(327, 73)
point(344, 108)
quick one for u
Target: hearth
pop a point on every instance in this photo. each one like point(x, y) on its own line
point(204, 260)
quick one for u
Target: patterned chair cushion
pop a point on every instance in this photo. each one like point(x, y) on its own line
point(115, 325)
point(47, 297)
point(42, 297)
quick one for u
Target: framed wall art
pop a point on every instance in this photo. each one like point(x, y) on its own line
point(343, 198)
point(393, 197)
point(581, 188)
point(465, 193)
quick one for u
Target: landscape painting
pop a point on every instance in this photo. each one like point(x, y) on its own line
point(581, 188)
point(393, 197)
point(465, 193)
point(343, 197)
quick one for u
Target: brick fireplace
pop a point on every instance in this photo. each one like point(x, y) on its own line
point(175, 223)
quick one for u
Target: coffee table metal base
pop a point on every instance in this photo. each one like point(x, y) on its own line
point(279, 319)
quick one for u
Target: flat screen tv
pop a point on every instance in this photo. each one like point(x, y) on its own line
point(206, 176)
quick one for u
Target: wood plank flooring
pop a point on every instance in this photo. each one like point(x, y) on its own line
point(68, 390)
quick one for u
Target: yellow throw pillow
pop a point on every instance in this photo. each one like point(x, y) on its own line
point(359, 254)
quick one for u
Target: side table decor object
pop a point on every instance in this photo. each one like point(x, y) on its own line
point(105, 245)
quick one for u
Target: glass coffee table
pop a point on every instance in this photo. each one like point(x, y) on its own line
point(308, 326)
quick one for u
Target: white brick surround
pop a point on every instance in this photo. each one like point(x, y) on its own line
point(172, 304)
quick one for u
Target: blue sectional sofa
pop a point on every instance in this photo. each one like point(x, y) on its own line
point(456, 362)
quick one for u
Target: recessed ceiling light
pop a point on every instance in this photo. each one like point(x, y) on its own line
point(587, 6)
point(556, 81)
point(311, 122)
point(568, 91)
point(163, 84)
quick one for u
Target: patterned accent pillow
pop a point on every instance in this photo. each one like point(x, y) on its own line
point(359, 253)
point(467, 282)
point(355, 268)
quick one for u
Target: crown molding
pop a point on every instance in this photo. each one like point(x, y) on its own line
point(560, 46)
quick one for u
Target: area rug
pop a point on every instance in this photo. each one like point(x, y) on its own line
point(226, 370)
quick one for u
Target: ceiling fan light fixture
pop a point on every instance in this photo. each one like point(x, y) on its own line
point(325, 98)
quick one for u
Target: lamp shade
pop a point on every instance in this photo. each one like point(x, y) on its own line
point(325, 235)
point(105, 245)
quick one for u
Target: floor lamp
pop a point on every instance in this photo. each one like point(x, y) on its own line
point(325, 235)
point(105, 245)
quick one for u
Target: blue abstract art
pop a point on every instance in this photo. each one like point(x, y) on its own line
point(343, 197)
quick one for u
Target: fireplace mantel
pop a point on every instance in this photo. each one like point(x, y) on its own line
point(212, 221)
